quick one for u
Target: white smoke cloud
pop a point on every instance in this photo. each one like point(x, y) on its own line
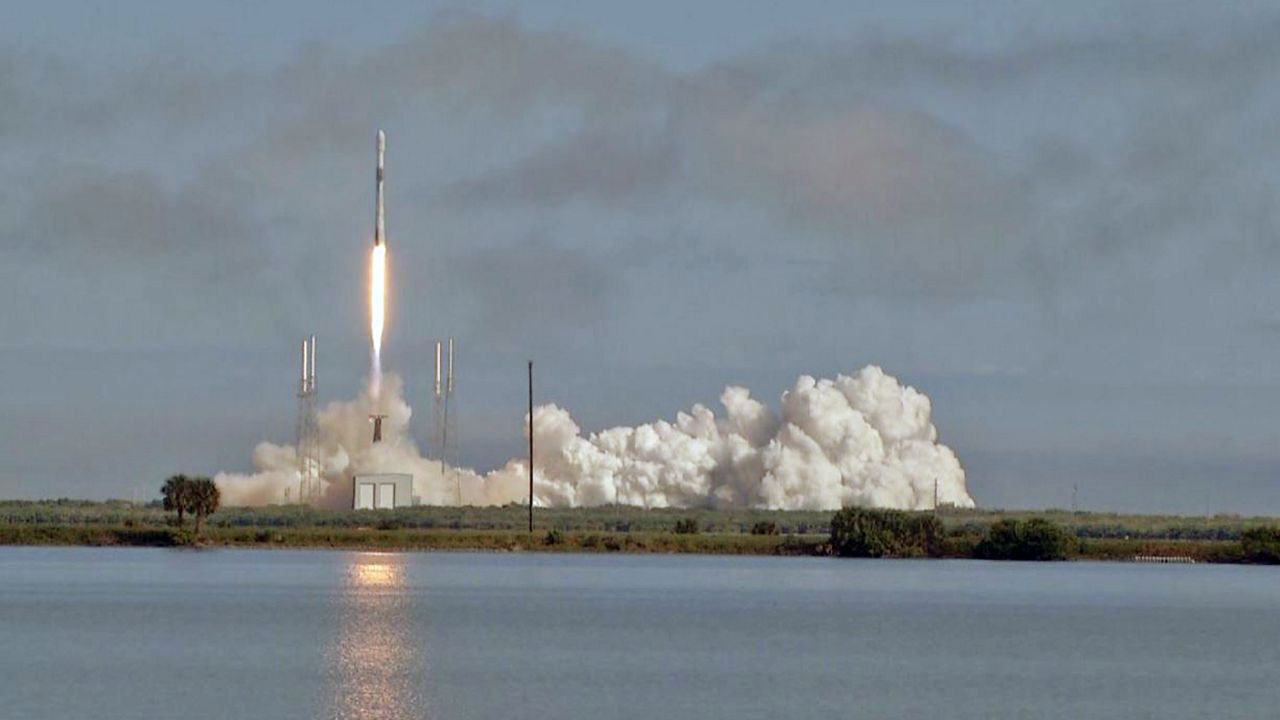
point(346, 449)
point(863, 439)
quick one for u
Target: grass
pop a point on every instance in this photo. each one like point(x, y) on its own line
point(413, 539)
point(1101, 536)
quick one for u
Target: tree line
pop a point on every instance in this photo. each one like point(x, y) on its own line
point(865, 532)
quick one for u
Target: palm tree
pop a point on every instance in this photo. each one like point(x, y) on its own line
point(204, 499)
point(177, 495)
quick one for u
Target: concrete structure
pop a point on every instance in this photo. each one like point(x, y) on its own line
point(383, 491)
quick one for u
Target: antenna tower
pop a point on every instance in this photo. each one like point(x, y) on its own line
point(308, 432)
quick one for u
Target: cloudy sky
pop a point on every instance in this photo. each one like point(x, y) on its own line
point(1060, 221)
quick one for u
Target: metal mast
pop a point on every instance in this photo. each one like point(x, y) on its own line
point(444, 431)
point(308, 432)
point(445, 436)
point(437, 404)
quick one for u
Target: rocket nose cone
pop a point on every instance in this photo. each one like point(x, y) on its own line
point(382, 140)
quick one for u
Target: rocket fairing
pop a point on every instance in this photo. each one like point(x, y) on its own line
point(379, 226)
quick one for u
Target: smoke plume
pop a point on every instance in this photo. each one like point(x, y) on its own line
point(862, 440)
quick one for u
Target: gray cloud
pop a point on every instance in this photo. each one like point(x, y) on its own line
point(825, 143)
point(903, 195)
point(601, 166)
point(533, 289)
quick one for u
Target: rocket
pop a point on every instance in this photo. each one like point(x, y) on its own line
point(379, 225)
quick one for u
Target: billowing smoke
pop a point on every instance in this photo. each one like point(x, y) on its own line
point(346, 449)
point(856, 440)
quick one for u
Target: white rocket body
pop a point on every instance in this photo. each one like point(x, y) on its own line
point(379, 226)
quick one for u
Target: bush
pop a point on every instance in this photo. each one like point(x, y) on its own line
point(1261, 545)
point(1035, 539)
point(687, 526)
point(765, 527)
point(554, 537)
point(860, 532)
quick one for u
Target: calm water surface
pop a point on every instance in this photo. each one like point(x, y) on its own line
point(141, 633)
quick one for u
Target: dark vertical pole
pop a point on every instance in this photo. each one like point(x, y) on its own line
point(530, 446)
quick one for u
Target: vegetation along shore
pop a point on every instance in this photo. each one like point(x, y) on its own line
point(950, 533)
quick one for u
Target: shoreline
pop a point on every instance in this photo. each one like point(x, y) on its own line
point(554, 541)
point(1109, 537)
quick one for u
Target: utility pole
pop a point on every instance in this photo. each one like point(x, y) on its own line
point(530, 446)
point(1075, 498)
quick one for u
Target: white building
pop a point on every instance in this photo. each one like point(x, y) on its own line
point(383, 491)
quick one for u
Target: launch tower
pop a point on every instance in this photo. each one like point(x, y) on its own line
point(308, 432)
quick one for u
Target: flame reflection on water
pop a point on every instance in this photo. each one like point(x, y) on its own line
point(373, 667)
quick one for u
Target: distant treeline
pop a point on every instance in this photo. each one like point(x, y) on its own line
point(852, 532)
point(621, 519)
point(861, 532)
point(511, 517)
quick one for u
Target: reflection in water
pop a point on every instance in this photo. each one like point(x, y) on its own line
point(372, 666)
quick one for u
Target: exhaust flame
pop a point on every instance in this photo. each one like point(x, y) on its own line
point(377, 313)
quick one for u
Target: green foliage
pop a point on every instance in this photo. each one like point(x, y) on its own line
point(176, 492)
point(687, 526)
point(765, 527)
point(554, 537)
point(1035, 539)
point(204, 500)
point(1262, 545)
point(862, 532)
point(619, 519)
point(94, 535)
point(1102, 535)
point(1202, 551)
point(198, 496)
point(182, 537)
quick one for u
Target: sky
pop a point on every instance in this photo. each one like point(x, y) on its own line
point(1057, 220)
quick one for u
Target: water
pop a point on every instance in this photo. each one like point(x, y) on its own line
point(140, 633)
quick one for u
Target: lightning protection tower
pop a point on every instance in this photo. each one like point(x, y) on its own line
point(308, 432)
point(444, 438)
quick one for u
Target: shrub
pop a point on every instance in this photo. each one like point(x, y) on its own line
point(765, 527)
point(1035, 539)
point(861, 532)
point(1261, 545)
point(554, 537)
point(687, 526)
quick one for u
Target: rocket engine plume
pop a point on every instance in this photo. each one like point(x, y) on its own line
point(377, 314)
